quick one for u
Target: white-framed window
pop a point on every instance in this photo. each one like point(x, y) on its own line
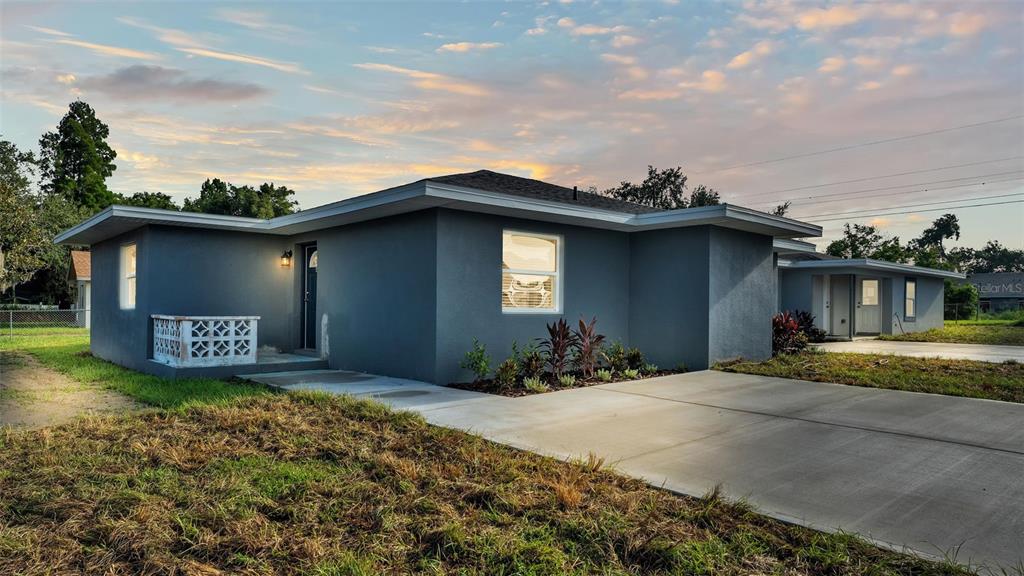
point(910, 299)
point(869, 292)
point(531, 273)
point(127, 285)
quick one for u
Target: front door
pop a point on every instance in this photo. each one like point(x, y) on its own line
point(309, 265)
point(869, 309)
point(839, 285)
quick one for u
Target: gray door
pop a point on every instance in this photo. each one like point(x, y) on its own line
point(869, 306)
point(840, 287)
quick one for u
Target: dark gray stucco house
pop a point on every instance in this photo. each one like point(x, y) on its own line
point(860, 297)
point(400, 282)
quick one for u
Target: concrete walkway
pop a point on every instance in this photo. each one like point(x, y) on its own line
point(982, 352)
point(921, 471)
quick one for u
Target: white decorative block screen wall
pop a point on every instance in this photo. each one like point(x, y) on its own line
point(185, 341)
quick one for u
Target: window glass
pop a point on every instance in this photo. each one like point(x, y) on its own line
point(128, 280)
point(313, 259)
point(869, 292)
point(530, 275)
point(910, 300)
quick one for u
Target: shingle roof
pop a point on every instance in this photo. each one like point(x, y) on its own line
point(517, 186)
point(81, 265)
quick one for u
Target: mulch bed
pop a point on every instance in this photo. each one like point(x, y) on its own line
point(489, 386)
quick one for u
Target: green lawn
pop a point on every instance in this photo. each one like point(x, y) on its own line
point(68, 352)
point(951, 377)
point(968, 332)
point(229, 478)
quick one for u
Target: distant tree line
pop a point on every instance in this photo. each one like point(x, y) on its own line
point(45, 193)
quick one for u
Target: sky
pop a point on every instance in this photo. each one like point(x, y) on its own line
point(888, 114)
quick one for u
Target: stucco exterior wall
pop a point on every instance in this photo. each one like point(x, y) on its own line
point(376, 286)
point(595, 281)
point(120, 336)
point(668, 306)
point(930, 300)
point(741, 295)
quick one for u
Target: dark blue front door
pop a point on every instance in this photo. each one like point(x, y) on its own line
point(309, 265)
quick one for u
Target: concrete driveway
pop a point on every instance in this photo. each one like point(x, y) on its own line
point(921, 471)
point(982, 352)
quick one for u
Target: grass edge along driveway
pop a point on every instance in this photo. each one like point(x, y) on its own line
point(240, 479)
point(967, 378)
point(1005, 334)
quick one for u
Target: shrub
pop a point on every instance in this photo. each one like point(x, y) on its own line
point(634, 358)
point(961, 300)
point(588, 346)
point(531, 361)
point(615, 357)
point(650, 369)
point(558, 346)
point(604, 375)
point(477, 361)
point(805, 323)
point(786, 335)
point(567, 380)
point(631, 374)
point(535, 384)
point(507, 374)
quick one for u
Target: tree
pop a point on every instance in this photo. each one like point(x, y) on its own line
point(781, 209)
point(22, 238)
point(860, 241)
point(75, 161)
point(994, 257)
point(149, 200)
point(219, 197)
point(704, 196)
point(928, 248)
point(664, 189)
point(961, 300)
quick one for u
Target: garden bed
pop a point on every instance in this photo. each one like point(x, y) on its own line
point(490, 386)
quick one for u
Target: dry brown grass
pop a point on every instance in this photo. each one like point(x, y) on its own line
point(303, 484)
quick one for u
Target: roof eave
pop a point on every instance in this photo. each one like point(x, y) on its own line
point(880, 265)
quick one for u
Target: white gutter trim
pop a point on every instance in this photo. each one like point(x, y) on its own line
point(472, 195)
point(875, 265)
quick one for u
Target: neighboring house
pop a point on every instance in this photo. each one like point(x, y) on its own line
point(400, 282)
point(999, 291)
point(859, 297)
point(80, 278)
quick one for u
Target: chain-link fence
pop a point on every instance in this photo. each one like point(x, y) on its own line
point(43, 321)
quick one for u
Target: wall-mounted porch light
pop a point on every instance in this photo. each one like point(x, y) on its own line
point(286, 258)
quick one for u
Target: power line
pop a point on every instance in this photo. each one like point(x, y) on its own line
point(916, 205)
point(936, 189)
point(918, 211)
point(887, 176)
point(860, 145)
point(895, 187)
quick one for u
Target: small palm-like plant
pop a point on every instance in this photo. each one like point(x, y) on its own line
point(535, 384)
point(558, 346)
point(631, 374)
point(588, 346)
point(604, 374)
point(567, 380)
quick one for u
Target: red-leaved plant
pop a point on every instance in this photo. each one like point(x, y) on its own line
point(588, 346)
point(558, 346)
point(786, 335)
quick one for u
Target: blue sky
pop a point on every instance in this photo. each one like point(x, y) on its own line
point(339, 99)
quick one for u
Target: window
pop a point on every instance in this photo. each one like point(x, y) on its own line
point(313, 260)
point(910, 299)
point(869, 292)
point(127, 277)
point(530, 272)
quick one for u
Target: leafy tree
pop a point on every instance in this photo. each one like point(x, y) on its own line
point(76, 160)
point(994, 257)
point(928, 248)
point(149, 200)
point(861, 241)
point(22, 238)
point(781, 209)
point(961, 300)
point(664, 189)
point(219, 197)
point(704, 196)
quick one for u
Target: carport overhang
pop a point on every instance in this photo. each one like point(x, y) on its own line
point(868, 265)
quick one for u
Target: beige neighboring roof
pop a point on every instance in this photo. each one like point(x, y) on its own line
point(81, 265)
